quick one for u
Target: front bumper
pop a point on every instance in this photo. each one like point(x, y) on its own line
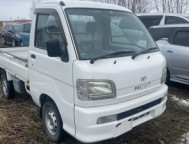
point(87, 129)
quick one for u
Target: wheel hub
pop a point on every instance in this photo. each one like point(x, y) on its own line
point(5, 88)
point(51, 122)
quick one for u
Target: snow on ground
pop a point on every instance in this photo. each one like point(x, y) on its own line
point(184, 138)
point(185, 103)
point(179, 101)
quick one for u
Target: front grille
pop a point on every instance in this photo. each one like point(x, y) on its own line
point(138, 109)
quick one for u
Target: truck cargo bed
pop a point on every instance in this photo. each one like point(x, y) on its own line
point(15, 61)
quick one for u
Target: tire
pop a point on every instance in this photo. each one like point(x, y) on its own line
point(13, 43)
point(52, 121)
point(7, 87)
point(168, 78)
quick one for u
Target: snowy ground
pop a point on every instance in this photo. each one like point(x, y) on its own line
point(185, 138)
point(185, 103)
point(179, 101)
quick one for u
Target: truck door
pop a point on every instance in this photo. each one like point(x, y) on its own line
point(177, 52)
point(51, 76)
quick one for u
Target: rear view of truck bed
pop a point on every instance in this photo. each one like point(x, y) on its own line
point(15, 61)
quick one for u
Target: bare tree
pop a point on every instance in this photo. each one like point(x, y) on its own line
point(137, 6)
point(171, 6)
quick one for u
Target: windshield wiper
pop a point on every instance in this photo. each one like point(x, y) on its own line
point(119, 53)
point(143, 52)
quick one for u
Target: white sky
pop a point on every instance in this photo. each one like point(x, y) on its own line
point(12, 9)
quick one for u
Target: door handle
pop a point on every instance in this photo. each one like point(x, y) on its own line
point(33, 56)
point(169, 51)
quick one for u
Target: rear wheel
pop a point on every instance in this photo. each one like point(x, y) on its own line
point(7, 87)
point(52, 121)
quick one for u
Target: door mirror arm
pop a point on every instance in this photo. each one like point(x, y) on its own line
point(64, 56)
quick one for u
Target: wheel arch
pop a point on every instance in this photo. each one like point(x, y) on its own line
point(44, 98)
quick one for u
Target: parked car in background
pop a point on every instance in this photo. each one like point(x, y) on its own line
point(150, 19)
point(2, 34)
point(161, 32)
point(92, 68)
point(25, 34)
point(175, 48)
point(11, 34)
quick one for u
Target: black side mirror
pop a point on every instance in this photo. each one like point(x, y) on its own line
point(54, 50)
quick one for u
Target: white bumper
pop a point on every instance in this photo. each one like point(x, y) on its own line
point(87, 129)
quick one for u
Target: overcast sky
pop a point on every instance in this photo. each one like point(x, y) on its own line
point(12, 9)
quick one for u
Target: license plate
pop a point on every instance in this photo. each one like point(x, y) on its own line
point(142, 86)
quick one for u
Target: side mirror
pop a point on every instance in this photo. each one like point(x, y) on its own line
point(53, 48)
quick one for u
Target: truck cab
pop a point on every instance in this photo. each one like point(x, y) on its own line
point(92, 68)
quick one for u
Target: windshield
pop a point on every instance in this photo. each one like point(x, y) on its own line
point(100, 32)
point(17, 28)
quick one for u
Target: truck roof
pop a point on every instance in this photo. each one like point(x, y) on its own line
point(85, 4)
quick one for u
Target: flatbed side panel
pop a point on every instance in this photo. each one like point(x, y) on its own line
point(14, 66)
point(20, 52)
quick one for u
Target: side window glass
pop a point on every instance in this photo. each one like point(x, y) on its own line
point(156, 33)
point(181, 38)
point(159, 33)
point(149, 21)
point(47, 29)
point(27, 28)
point(174, 20)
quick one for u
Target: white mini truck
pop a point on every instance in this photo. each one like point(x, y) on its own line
point(92, 68)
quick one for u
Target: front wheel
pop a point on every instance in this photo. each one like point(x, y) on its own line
point(7, 87)
point(52, 121)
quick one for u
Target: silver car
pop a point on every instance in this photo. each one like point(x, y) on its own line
point(174, 45)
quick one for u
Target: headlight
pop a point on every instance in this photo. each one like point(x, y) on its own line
point(164, 75)
point(17, 35)
point(94, 90)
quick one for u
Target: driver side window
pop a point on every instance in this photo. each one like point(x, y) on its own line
point(47, 28)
